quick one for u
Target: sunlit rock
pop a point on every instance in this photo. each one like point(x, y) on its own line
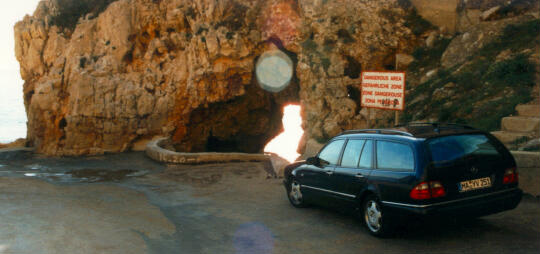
point(110, 75)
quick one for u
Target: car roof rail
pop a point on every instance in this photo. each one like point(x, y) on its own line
point(436, 125)
point(377, 131)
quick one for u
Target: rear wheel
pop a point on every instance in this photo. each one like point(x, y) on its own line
point(374, 219)
point(295, 194)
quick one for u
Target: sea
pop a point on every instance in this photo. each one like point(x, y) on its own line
point(12, 112)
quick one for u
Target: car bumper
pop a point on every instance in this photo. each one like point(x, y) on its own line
point(472, 206)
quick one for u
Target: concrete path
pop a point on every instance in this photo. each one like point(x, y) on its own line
point(126, 203)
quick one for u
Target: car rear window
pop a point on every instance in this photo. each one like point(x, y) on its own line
point(450, 148)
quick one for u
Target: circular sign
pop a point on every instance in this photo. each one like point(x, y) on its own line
point(274, 71)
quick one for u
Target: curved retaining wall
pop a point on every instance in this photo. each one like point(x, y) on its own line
point(155, 151)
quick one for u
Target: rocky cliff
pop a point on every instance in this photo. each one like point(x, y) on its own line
point(108, 76)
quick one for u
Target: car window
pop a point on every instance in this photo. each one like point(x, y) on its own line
point(367, 155)
point(331, 152)
point(392, 155)
point(450, 148)
point(351, 155)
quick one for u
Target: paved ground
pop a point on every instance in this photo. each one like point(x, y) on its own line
point(126, 203)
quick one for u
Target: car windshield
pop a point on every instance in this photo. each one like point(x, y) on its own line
point(452, 148)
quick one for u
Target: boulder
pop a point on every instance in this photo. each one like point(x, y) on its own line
point(442, 14)
point(489, 14)
point(403, 61)
point(430, 40)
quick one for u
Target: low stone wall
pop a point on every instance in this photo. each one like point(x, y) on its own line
point(528, 164)
point(155, 150)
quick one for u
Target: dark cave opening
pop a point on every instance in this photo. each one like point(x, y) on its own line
point(214, 144)
point(353, 92)
point(353, 68)
point(244, 123)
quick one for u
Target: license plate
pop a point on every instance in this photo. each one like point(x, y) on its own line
point(475, 184)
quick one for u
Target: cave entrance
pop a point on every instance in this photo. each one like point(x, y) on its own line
point(286, 143)
point(215, 144)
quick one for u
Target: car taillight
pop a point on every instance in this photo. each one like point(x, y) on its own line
point(421, 191)
point(437, 190)
point(426, 190)
point(510, 176)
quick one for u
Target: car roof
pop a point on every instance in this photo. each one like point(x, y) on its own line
point(416, 130)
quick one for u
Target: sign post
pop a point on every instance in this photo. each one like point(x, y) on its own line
point(383, 90)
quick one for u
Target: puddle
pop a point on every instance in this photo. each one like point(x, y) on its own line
point(100, 175)
point(36, 167)
point(87, 175)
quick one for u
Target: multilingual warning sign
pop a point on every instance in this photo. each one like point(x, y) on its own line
point(383, 90)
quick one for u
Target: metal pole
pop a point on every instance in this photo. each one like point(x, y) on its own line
point(396, 115)
point(369, 118)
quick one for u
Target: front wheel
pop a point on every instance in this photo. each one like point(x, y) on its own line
point(374, 219)
point(295, 194)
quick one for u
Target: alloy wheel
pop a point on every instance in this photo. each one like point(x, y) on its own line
point(295, 194)
point(373, 216)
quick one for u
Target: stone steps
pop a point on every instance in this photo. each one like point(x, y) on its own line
point(528, 110)
point(516, 131)
point(508, 137)
point(521, 124)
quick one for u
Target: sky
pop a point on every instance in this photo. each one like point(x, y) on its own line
point(12, 115)
point(10, 13)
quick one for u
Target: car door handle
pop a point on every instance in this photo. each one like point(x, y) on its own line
point(329, 172)
point(360, 176)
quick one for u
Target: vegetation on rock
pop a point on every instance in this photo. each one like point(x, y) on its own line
point(69, 11)
point(485, 88)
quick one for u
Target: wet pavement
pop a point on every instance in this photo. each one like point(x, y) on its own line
point(126, 203)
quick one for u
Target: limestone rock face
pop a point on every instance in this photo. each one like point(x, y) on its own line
point(131, 70)
point(476, 37)
point(458, 16)
point(442, 13)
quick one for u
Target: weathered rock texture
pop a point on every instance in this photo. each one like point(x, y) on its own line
point(453, 16)
point(480, 76)
point(131, 70)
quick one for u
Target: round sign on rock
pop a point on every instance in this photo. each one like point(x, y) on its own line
point(274, 71)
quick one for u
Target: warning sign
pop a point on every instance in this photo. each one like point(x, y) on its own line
point(383, 90)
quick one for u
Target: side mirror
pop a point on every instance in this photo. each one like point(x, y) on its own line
point(313, 161)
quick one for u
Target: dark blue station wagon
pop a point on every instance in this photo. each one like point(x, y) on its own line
point(420, 169)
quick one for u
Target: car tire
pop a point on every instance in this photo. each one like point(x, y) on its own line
point(294, 193)
point(373, 217)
